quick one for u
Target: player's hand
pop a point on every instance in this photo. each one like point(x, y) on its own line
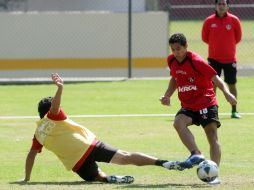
point(165, 100)
point(57, 79)
point(231, 99)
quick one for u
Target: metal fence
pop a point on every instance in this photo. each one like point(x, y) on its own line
point(184, 16)
point(200, 9)
point(187, 16)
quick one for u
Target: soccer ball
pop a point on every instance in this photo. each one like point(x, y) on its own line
point(207, 171)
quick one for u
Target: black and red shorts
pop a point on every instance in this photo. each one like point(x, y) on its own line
point(229, 69)
point(202, 117)
point(101, 153)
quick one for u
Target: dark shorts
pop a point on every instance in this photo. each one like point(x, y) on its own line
point(202, 117)
point(229, 70)
point(101, 153)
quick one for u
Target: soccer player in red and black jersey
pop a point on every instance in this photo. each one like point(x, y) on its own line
point(222, 31)
point(76, 146)
point(193, 78)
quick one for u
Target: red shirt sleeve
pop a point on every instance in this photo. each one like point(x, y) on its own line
point(202, 66)
point(238, 30)
point(205, 68)
point(205, 32)
point(36, 145)
point(170, 61)
point(60, 116)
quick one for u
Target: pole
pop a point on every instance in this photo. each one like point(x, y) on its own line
point(129, 39)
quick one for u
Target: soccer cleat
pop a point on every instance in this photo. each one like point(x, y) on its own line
point(174, 165)
point(193, 160)
point(120, 179)
point(235, 115)
point(216, 181)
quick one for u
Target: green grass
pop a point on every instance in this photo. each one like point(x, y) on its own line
point(192, 30)
point(151, 135)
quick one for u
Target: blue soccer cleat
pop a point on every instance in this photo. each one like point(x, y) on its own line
point(193, 160)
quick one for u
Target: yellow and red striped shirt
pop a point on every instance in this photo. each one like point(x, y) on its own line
point(69, 141)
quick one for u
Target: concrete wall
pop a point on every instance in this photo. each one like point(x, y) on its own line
point(81, 40)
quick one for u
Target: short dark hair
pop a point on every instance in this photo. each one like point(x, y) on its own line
point(216, 1)
point(44, 106)
point(178, 38)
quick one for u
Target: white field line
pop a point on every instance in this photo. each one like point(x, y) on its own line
point(108, 116)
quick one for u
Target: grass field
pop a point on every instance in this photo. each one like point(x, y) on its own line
point(192, 30)
point(151, 135)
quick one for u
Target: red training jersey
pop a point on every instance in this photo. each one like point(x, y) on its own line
point(222, 35)
point(193, 78)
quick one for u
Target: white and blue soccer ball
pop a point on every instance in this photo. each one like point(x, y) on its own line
point(207, 171)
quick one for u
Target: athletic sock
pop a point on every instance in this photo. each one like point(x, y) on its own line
point(160, 162)
point(195, 152)
point(234, 108)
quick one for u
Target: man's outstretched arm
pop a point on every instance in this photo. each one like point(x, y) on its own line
point(29, 164)
point(55, 105)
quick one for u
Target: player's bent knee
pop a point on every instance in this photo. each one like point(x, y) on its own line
point(181, 121)
point(177, 124)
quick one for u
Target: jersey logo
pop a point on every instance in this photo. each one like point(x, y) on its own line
point(181, 72)
point(44, 129)
point(228, 27)
point(192, 79)
point(187, 88)
point(214, 25)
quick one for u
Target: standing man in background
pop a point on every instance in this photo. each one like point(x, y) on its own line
point(222, 31)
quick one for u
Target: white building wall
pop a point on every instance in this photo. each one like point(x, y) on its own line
point(85, 5)
point(81, 35)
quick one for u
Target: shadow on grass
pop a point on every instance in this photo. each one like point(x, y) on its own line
point(225, 118)
point(54, 183)
point(166, 185)
point(123, 186)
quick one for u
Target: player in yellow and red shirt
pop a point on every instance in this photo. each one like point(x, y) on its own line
point(77, 147)
point(193, 78)
point(222, 31)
